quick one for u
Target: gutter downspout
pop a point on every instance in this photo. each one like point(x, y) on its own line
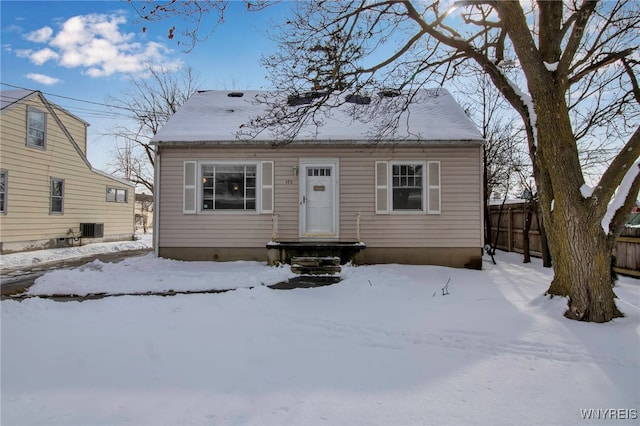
point(156, 201)
point(483, 198)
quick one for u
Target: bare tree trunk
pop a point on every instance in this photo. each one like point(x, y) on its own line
point(525, 233)
point(586, 278)
point(578, 243)
point(544, 243)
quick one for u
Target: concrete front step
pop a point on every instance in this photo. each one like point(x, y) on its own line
point(315, 265)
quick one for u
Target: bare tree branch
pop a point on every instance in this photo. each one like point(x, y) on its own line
point(577, 22)
point(632, 78)
point(151, 102)
point(607, 60)
point(612, 177)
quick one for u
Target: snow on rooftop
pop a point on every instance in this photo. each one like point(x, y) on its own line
point(219, 115)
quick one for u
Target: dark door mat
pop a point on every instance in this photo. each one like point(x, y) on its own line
point(306, 281)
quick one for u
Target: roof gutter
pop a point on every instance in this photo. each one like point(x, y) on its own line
point(349, 143)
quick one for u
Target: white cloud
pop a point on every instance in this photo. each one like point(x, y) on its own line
point(23, 53)
point(40, 36)
point(13, 28)
point(43, 55)
point(96, 44)
point(43, 79)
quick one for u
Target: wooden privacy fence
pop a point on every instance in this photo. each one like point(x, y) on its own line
point(510, 234)
point(627, 252)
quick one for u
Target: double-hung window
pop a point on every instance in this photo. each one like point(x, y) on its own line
point(228, 187)
point(407, 187)
point(36, 128)
point(57, 196)
point(4, 176)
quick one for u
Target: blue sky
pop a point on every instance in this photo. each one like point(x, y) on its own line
point(87, 50)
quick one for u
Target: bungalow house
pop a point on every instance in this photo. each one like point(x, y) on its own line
point(50, 195)
point(413, 196)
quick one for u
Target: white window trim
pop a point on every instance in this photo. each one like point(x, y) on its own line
point(61, 212)
point(31, 109)
point(262, 189)
point(228, 163)
point(424, 189)
point(427, 186)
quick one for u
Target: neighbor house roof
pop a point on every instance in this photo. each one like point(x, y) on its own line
point(218, 116)
point(10, 97)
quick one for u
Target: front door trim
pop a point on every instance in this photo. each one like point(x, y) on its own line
point(304, 165)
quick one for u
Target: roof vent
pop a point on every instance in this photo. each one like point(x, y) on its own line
point(303, 98)
point(390, 93)
point(358, 99)
point(235, 94)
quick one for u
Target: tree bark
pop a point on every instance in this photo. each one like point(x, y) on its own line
point(544, 243)
point(579, 246)
point(583, 275)
point(526, 248)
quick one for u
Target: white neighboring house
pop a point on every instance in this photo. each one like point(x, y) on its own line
point(50, 195)
point(415, 197)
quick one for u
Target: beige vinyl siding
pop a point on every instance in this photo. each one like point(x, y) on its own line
point(77, 128)
point(228, 229)
point(458, 225)
point(31, 170)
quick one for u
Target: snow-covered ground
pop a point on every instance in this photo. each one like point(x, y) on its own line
point(382, 347)
point(44, 257)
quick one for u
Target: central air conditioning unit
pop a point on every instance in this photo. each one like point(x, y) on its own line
point(92, 230)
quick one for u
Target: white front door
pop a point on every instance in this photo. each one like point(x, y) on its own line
point(318, 205)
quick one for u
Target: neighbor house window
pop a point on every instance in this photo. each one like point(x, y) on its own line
point(57, 195)
point(243, 187)
point(407, 187)
point(116, 195)
point(36, 128)
point(4, 175)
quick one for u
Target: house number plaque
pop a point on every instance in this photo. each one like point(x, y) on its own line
point(318, 187)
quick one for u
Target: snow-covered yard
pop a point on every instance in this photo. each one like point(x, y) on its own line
point(384, 346)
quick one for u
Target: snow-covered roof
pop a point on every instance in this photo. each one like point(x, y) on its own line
point(218, 116)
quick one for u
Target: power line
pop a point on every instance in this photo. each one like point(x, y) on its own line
point(130, 110)
point(85, 112)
